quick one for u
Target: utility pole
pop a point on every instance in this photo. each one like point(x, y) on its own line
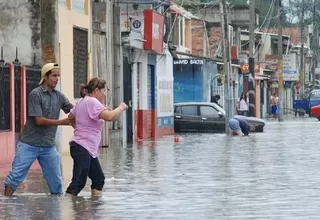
point(302, 49)
point(314, 45)
point(226, 61)
point(49, 35)
point(251, 78)
point(280, 63)
point(106, 141)
point(49, 31)
point(100, 26)
point(317, 10)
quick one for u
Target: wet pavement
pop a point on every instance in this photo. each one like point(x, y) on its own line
point(271, 175)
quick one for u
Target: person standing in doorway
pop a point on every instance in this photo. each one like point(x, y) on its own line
point(37, 141)
point(274, 105)
point(89, 115)
point(215, 99)
point(243, 105)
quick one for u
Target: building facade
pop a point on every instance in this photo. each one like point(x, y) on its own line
point(21, 42)
point(74, 47)
point(150, 67)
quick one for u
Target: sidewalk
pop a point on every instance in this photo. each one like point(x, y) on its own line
point(287, 117)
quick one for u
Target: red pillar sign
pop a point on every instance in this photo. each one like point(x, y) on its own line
point(153, 31)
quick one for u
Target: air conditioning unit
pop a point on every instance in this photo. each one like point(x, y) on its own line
point(183, 49)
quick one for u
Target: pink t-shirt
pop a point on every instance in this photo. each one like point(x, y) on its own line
point(88, 127)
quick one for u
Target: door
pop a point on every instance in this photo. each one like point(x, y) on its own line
point(177, 118)
point(127, 83)
point(151, 98)
point(211, 121)
point(189, 118)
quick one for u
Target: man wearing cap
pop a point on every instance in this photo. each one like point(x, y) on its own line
point(38, 137)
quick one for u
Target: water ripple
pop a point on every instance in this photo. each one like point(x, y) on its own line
point(270, 175)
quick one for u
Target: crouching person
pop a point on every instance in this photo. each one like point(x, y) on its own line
point(239, 127)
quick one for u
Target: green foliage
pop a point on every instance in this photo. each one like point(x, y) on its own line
point(293, 10)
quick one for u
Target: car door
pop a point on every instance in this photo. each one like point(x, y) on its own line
point(211, 121)
point(177, 118)
point(189, 119)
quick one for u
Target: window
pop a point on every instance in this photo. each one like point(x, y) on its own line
point(181, 31)
point(80, 59)
point(189, 110)
point(5, 98)
point(217, 107)
point(208, 111)
point(315, 95)
point(178, 110)
point(78, 5)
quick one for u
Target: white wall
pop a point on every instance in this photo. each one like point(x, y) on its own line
point(288, 100)
point(140, 56)
point(265, 111)
point(19, 29)
point(266, 49)
point(164, 75)
point(164, 72)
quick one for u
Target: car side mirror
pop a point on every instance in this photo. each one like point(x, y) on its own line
point(220, 114)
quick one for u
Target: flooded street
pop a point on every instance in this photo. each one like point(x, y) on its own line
point(271, 175)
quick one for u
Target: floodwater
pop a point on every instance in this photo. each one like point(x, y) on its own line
point(271, 175)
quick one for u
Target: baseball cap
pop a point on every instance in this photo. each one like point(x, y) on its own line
point(46, 68)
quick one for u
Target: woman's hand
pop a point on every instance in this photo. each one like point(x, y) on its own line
point(123, 106)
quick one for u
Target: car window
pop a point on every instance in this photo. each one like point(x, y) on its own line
point(219, 108)
point(208, 111)
point(315, 95)
point(177, 110)
point(189, 110)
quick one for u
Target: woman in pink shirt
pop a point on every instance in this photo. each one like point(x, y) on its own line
point(89, 114)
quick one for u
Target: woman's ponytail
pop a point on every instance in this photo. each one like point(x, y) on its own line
point(83, 90)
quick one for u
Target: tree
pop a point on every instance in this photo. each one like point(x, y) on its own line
point(293, 10)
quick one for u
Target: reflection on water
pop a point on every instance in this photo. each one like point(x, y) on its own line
point(272, 175)
point(41, 206)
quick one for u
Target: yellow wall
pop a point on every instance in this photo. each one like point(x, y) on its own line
point(188, 34)
point(69, 18)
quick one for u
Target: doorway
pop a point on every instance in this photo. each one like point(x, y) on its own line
point(151, 98)
point(127, 85)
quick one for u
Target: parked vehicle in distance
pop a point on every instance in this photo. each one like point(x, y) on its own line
point(315, 112)
point(206, 117)
point(306, 104)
